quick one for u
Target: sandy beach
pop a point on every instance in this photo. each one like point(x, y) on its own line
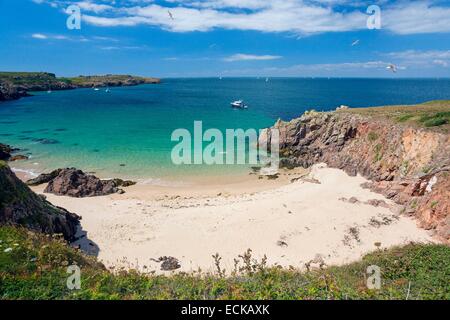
point(298, 218)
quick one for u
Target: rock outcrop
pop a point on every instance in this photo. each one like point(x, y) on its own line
point(44, 178)
point(410, 165)
point(75, 183)
point(21, 206)
point(8, 91)
point(6, 151)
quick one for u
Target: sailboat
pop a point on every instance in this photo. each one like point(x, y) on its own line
point(267, 79)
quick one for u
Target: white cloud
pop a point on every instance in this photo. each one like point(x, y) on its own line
point(373, 68)
point(441, 63)
point(423, 58)
point(250, 57)
point(415, 17)
point(39, 36)
point(93, 7)
point(420, 55)
point(123, 47)
point(282, 17)
point(42, 36)
point(301, 17)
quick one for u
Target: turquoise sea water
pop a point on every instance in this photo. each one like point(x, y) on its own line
point(98, 131)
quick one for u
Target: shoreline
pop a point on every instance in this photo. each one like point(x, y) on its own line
point(17, 85)
point(364, 201)
point(286, 220)
point(190, 181)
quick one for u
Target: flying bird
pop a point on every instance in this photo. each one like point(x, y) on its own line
point(170, 14)
point(392, 67)
point(354, 43)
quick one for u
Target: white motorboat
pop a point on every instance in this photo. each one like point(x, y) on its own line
point(239, 104)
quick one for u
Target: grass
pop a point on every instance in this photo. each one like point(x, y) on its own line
point(44, 78)
point(435, 119)
point(35, 268)
point(21, 78)
point(378, 154)
point(429, 114)
point(372, 136)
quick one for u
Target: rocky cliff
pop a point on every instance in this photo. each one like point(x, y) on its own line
point(21, 206)
point(8, 91)
point(405, 161)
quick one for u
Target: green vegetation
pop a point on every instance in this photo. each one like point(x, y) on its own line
point(33, 266)
point(404, 168)
point(45, 79)
point(27, 78)
point(378, 155)
point(434, 204)
point(404, 117)
point(110, 78)
point(372, 136)
point(435, 119)
point(427, 169)
point(429, 114)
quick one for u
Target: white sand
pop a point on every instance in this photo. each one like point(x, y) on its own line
point(309, 218)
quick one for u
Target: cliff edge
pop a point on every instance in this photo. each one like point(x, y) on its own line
point(404, 151)
point(21, 206)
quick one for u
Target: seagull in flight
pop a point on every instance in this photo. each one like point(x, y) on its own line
point(354, 43)
point(170, 14)
point(392, 67)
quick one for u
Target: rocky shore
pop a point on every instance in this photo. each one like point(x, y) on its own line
point(406, 162)
point(6, 153)
point(14, 85)
point(75, 183)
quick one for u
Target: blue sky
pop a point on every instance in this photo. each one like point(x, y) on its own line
point(202, 38)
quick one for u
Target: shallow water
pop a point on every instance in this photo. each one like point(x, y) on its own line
point(127, 132)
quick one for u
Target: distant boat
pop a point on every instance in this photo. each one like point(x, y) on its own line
point(49, 91)
point(96, 89)
point(107, 90)
point(220, 78)
point(239, 104)
point(267, 79)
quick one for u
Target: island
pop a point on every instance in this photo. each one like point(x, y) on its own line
point(14, 85)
